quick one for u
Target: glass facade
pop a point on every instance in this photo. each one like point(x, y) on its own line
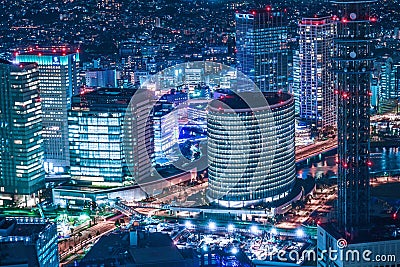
point(353, 66)
point(166, 130)
point(317, 101)
point(244, 166)
point(95, 124)
point(58, 83)
point(262, 52)
point(21, 143)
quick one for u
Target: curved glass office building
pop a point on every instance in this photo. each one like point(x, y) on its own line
point(251, 152)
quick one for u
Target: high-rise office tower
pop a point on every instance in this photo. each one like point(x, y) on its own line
point(21, 151)
point(245, 165)
point(317, 101)
point(58, 83)
point(95, 123)
point(386, 72)
point(296, 81)
point(261, 43)
point(353, 66)
point(353, 239)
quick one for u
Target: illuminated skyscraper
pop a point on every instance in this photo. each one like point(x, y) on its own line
point(387, 78)
point(245, 166)
point(95, 135)
point(261, 43)
point(353, 66)
point(317, 101)
point(21, 151)
point(58, 83)
point(353, 239)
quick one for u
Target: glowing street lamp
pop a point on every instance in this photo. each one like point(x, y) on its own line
point(254, 229)
point(300, 233)
point(274, 231)
point(188, 224)
point(212, 226)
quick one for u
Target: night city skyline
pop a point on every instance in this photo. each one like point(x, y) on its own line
point(200, 133)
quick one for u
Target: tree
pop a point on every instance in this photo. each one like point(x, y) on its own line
point(80, 240)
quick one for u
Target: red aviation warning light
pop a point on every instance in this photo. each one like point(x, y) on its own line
point(373, 19)
point(268, 8)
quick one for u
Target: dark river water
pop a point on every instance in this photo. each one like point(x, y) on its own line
point(384, 161)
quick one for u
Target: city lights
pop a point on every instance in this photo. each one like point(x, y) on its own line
point(212, 226)
point(274, 231)
point(188, 224)
point(300, 233)
point(199, 133)
point(254, 229)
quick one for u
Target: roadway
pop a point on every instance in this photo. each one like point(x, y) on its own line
point(71, 248)
point(305, 152)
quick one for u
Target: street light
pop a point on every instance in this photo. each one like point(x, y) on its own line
point(188, 224)
point(274, 231)
point(234, 250)
point(300, 233)
point(231, 228)
point(212, 226)
point(254, 229)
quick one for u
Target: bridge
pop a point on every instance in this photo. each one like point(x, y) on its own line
point(304, 153)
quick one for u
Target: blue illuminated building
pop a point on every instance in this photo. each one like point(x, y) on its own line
point(95, 123)
point(58, 83)
point(28, 241)
point(21, 142)
point(261, 44)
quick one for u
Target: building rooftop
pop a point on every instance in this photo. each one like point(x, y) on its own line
point(151, 248)
point(21, 226)
point(48, 51)
point(17, 254)
point(250, 100)
point(104, 99)
point(381, 229)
